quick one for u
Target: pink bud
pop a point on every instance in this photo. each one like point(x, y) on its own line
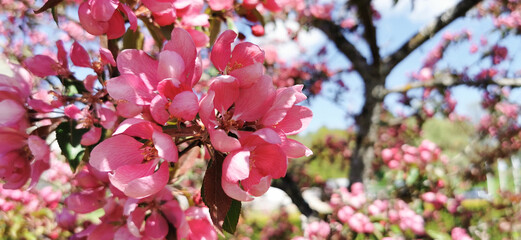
point(257, 30)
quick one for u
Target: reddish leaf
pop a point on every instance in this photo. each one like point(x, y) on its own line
point(47, 5)
point(213, 194)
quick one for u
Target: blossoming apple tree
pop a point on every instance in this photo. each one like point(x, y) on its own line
point(136, 96)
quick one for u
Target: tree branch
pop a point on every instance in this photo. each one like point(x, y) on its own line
point(427, 32)
point(289, 186)
point(449, 80)
point(365, 13)
point(335, 33)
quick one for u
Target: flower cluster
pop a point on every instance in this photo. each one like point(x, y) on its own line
point(126, 134)
point(426, 153)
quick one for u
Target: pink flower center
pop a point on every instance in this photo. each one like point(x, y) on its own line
point(149, 152)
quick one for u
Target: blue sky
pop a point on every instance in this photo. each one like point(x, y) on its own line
point(397, 25)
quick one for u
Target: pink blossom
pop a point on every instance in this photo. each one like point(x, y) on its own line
point(345, 213)
point(21, 158)
point(173, 76)
point(218, 5)
point(17, 81)
point(99, 17)
point(244, 62)
point(458, 233)
point(131, 164)
point(317, 230)
point(248, 170)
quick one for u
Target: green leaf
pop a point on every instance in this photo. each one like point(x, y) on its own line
point(73, 86)
point(360, 236)
point(231, 24)
point(215, 29)
point(438, 235)
point(413, 175)
point(232, 217)
point(69, 139)
point(55, 15)
point(133, 39)
point(259, 16)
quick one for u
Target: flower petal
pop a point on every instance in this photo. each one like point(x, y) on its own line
point(245, 54)
point(236, 166)
point(132, 19)
point(128, 109)
point(116, 26)
point(185, 105)
point(125, 174)
point(249, 108)
point(79, 55)
point(146, 186)
point(41, 65)
point(171, 65)
point(233, 190)
point(158, 110)
point(295, 149)
point(106, 56)
point(85, 202)
point(226, 90)
point(139, 63)
point(88, 23)
point(181, 42)
point(207, 110)
point(131, 88)
point(156, 226)
point(115, 152)
point(102, 10)
point(296, 120)
point(12, 111)
point(200, 38)
point(222, 142)
point(259, 188)
point(270, 160)
point(222, 50)
point(165, 146)
point(91, 137)
point(248, 75)
point(284, 100)
point(218, 5)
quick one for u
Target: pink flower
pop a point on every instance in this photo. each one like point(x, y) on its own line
point(16, 80)
point(168, 12)
point(244, 62)
point(173, 77)
point(248, 170)
point(21, 158)
point(317, 230)
point(272, 109)
point(99, 17)
point(345, 213)
point(200, 224)
point(218, 5)
point(458, 233)
point(135, 168)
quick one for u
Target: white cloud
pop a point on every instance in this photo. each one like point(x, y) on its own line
point(423, 11)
